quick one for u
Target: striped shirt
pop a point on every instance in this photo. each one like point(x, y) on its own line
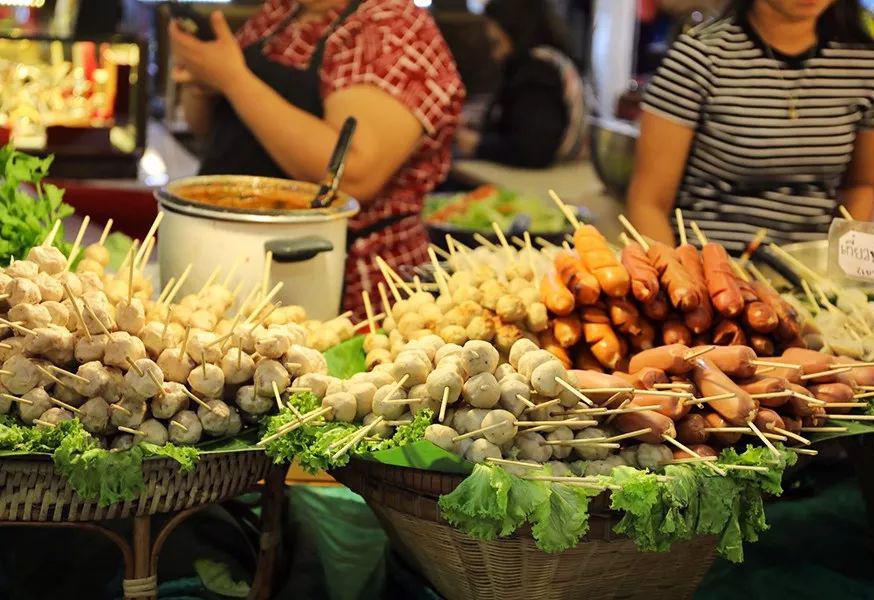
point(753, 164)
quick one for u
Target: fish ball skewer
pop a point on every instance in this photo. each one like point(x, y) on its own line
point(237, 366)
point(175, 364)
point(215, 417)
point(251, 403)
point(268, 373)
point(94, 415)
point(154, 432)
point(128, 412)
point(185, 428)
point(207, 380)
point(144, 378)
point(39, 402)
point(170, 401)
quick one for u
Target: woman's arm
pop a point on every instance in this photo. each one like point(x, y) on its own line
point(197, 107)
point(660, 159)
point(857, 189)
point(300, 143)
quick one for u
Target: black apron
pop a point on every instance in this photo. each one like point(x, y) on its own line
point(232, 148)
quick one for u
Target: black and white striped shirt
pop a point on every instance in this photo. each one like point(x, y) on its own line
point(751, 164)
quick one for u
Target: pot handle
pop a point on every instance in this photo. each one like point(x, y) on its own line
point(298, 249)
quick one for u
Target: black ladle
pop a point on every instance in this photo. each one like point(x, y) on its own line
point(329, 185)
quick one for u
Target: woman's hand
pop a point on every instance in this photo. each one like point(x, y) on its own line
point(217, 64)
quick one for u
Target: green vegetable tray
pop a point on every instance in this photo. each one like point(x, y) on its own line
point(603, 565)
point(33, 489)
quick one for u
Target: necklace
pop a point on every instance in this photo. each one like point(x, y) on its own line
point(793, 98)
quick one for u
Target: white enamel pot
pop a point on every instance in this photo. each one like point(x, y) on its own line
point(308, 245)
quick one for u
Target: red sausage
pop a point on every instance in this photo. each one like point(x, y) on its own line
point(799, 406)
point(656, 309)
point(669, 359)
point(720, 438)
point(673, 277)
point(765, 384)
point(645, 338)
point(644, 277)
point(766, 419)
point(833, 393)
point(811, 361)
point(789, 327)
point(675, 332)
point(671, 406)
point(712, 382)
point(690, 430)
point(624, 315)
point(735, 361)
point(725, 294)
point(586, 380)
point(760, 317)
point(699, 319)
point(645, 378)
point(699, 449)
point(761, 344)
point(659, 424)
point(729, 333)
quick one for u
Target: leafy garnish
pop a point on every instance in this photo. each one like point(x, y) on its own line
point(346, 359)
point(26, 220)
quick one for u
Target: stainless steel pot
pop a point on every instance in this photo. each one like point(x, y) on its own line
point(308, 245)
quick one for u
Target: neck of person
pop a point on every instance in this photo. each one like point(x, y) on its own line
point(784, 34)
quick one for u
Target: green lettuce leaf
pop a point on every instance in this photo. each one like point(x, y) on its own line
point(563, 519)
point(346, 359)
point(476, 506)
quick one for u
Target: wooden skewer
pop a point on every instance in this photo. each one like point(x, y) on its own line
point(443, 404)
point(690, 452)
point(630, 434)
point(134, 366)
point(44, 423)
point(136, 432)
point(357, 437)
point(130, 277)
point(764, 395)
point(484, 241)
point(440, 251)
point(666, 393)
point(565, 209)
point(277, 395)
point(702, 239)
point(574, 391)
point(706, 399)
point(68, 374)
point(863, 395)
point(165, 291)
point(155, 380)
point(836, 371)
point(51, 376)
point(681, 227)
point(634, 232)
point(698, 352)
point(848, 404)
point(682, 461)
point(368, 309)
point(234, 266)
point(824, 429)
point(197, 400)
point(6, 373)
point(566, 423)
point(542, 405)
point(518, 463)
point(106, 229)
point(854, 365)
point(267, 300)
point(17, 326)
point(575, 482)
point(383, 297)
point(851, 417)
point(845, 213)
point(806, 451)
point(544, 243)
point(755, 468)
point(364, 323)
point(149, 235)
point(790, 435)
point(74, 251)
point(50, 238)
point(265, 272)
point(764, 438)
point(394, 274)
point(525, 401)
point(209, 280)
point(673, 385)
point(289, 427)
point(6, 346)
point(147, 255)
point(633, 409)
point(763, 370)
point(439, 274)
point(806, 272)
point(809, 399)
point(579, 443)
point(398, 423)
point(179, 283)
point(405, 400)
point(508, 250)
point(103, 327)
point(608, 390)
point(121, 409)
point(622, 405)
point(179, 425)
point(776, 365)
point(17, 399)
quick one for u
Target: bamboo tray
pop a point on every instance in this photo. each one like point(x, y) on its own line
point(603, 565)
point(32, 490)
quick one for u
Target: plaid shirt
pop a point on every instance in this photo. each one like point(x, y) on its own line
point(397, 47)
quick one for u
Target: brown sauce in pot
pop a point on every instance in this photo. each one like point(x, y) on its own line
point(245, 198)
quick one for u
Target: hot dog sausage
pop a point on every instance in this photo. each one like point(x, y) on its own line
point(645, 338)
point(720, 439)
point(671, 406)
point(766, 419)
point(603, 343)
point(761, 344)
point(793, 424)
point(790, 374)
point(735, 361)
point(722, 284)
point(760, 317)
point(567, 330)
point(660, 425)
point(645, 378)
point(644, 277)
point(699, 449)
point(624, 315)
point(587, 380)
point(675, 332)
point(586, 361)
point(811, 361)
point(572, 271)
point(700, 319)
point(789, 327)
point(673, 277)
point(548, 342)
point(799, 406)
point(861, 375)
point(690, 430)
point(765, 384)
point(712, 382)
point(555, 295)
point(816, 418)
point(833, 393)
point(656, 309)
point(601, 262)
point(669, 359)
point(729, 333)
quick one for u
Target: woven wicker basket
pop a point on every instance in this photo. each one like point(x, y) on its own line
point(602, 565)
point(32, 490)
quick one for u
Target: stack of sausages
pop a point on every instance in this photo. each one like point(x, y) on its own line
point(604, 309)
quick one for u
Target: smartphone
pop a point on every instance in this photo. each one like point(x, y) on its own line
point(191, 21)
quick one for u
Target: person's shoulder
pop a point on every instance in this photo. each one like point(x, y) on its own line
point(393, 14)
point(713, 33)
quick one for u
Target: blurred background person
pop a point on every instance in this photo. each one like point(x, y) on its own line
point(537, 117)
